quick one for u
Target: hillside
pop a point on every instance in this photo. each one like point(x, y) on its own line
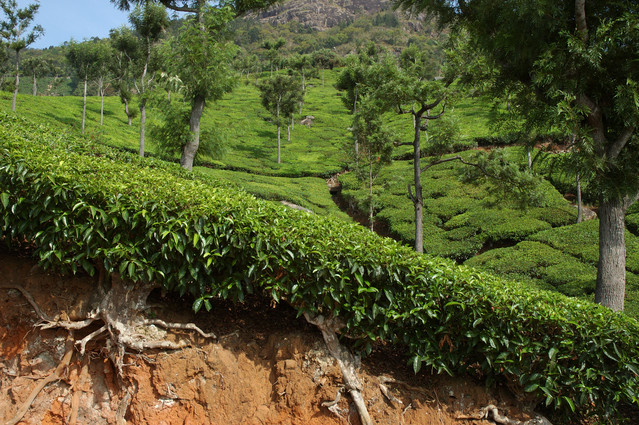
point(321, 14)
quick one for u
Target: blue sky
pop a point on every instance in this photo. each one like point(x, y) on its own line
point(77, 19)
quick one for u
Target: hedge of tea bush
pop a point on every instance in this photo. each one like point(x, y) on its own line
point(83, 206)
point(459, 218)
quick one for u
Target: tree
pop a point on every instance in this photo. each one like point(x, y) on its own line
point(325, 59)
point(280, 95)
point(376, 148)
point(424, 100)
point(201, 59)
point(272, 52)
point(127, 50)
point(149, 23)
point(355, 80)
point(88, 60)
point(36, 67)
point(579, 58)
point(102, 54)
point(15, 29)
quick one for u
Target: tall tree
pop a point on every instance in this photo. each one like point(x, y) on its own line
point(425, 100)
point(280, 95)
point(87, 60)
point(102, 53)
point(273, 52)
point(15, 30)
point(149, 22)
point(201, 59)
point(579, 57)
point(325, 59)
point(36, 67)
point(376, 149)
point(127, 51)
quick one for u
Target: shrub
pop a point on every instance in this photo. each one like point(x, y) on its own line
point(151, 222)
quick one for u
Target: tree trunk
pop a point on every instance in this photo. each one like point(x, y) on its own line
point(611, 270)
point(279, 144)
point(190, 149)
point(35, 85)
point(529, 155)
point(288, 129)
point(418, 200)
point(101, 103)
point(580, 207)
point(354, 112)
point(17, 86)
point(84, 104)
point(142, 127)
point(126, 110)
point(371, 223)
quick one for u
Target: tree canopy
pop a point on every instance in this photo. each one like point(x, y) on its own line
point(580, 60)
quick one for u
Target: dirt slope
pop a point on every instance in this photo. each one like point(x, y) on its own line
point(265, 367)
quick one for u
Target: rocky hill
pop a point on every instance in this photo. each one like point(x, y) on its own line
point(324, 14)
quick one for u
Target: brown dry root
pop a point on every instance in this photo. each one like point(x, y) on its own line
point(345, 360)
point(119, 309)
point(491, 412)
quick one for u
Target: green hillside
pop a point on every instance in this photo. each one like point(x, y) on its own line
point(461, 220)
point(85, 206)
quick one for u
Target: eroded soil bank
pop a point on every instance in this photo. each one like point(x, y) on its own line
point(265, 367)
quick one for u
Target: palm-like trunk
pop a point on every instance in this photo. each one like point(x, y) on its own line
point(84, 103)
point(418, 200)
point(611, 270)
point(371, 222)
point(191, 147)
point(101, 103)
point(142, 127)
point(17, 85)
point(35, 85)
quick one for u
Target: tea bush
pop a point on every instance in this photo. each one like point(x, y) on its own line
point(84, 207)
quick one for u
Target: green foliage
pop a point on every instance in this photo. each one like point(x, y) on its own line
point(84, 206)
point(201, 58)
point(632, 222)
point(510, 179)
point(14, 29)
point(582, 241)
point(459, 218)
point(280, 95)
point(307, 192)
point(170, 131)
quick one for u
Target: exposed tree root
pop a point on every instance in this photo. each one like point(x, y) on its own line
point(182, 326)
point(333, 406)
point(491, 412)
point(118, 311)
point(29, 298)
point(56, 375)
point(383, 380)
point(345, 360)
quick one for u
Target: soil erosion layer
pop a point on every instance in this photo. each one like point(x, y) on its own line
point(263, 366)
